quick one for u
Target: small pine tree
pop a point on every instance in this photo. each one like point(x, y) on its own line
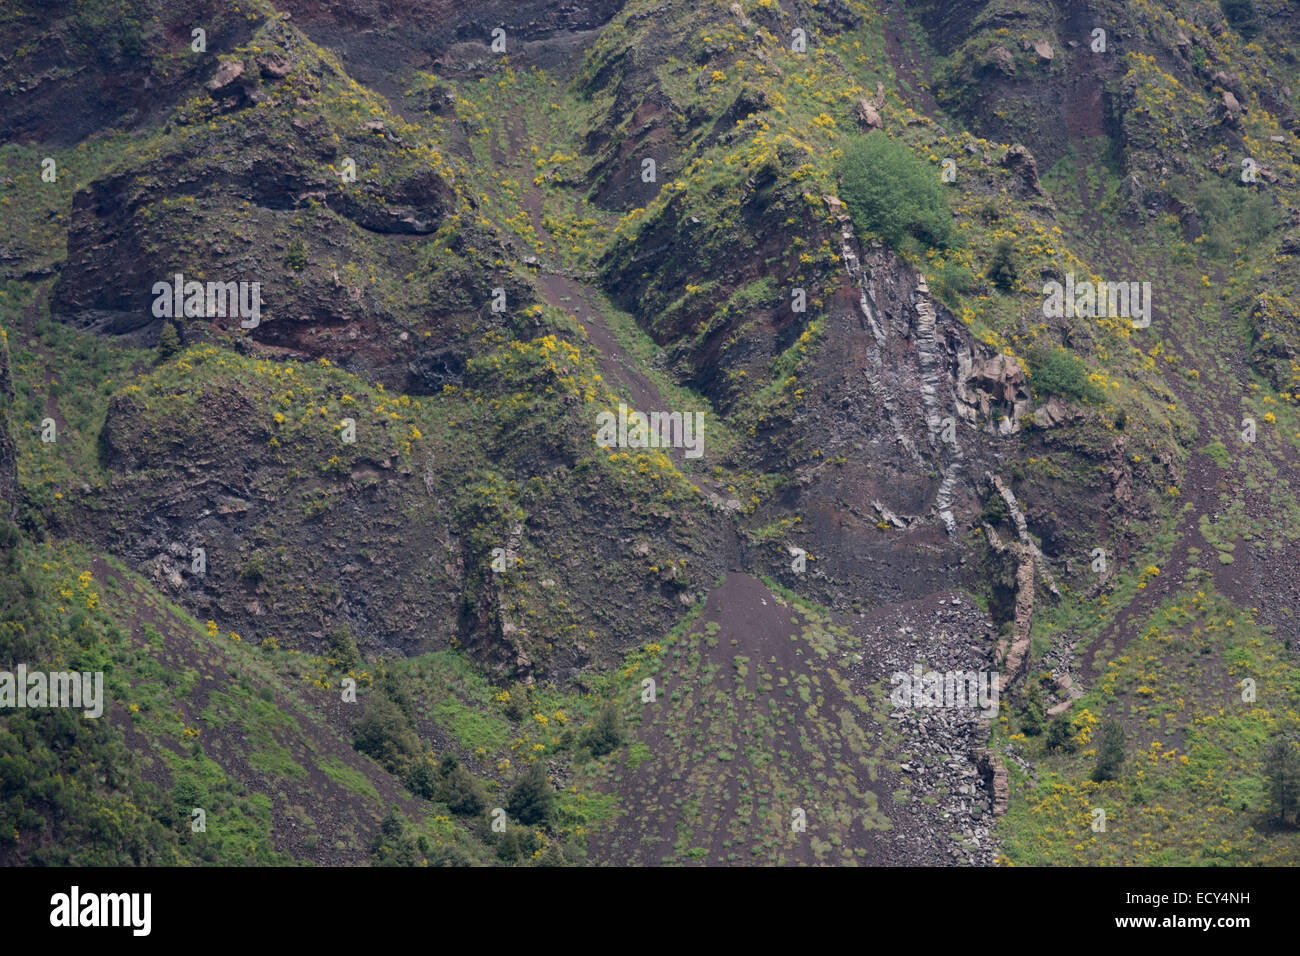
point(423, 779)
point(392, 845)
point(607, 733)
point(532, 800)
point(344, 649)
point(464, 795)
point(384, 733)
point(169, 342)
point(1110, 751)
point(1060, 735)
point(517, 702)
point(1003, 270)
point(296, 257)
point(1033, 716)
point(1282, 769)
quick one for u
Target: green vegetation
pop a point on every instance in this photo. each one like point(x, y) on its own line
point(893, 194)
point(532, 798)
point(1003, 268)
point(296, 256)
point(169, 342)
point(1282, 765)
point(1033, 717)
point(1110, 751)
point(1058, 372)
point(384, 732)
point(1241, 15)
point(474, 447)
point(606, 735)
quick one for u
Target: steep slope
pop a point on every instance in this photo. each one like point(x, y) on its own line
point(467, 255)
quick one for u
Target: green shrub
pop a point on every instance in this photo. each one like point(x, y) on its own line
point(532, 800)
point(1003, 269)
point(1240, 15)
point(517, 703)
point(606, 735)
point(457, 788)
point(1057, 372)
point(1110, 751)
point(384, 733)
point(169, 342)
point(422, 780)
point(1282, 768)
point(893, 193)
point(254, 570)
point(950, 282)
point(517, 844)
point(393, 845)
point(1060, 735)
point(296, 256)
point(1231, 215)
point(1033, 716)
point(995, 510)
point(343, 649)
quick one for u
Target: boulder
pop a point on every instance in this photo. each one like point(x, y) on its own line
point(1021, 163)
point(867, 115)
point(273, 66)
point(227, 74)
point(1052, 413)
point(1002, 60)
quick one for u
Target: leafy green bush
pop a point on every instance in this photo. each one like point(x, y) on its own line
point(343, 649)
point(393, 845)
point(1231, 216)
point(950, 282)
point(893, 193)
point(516, 707)
point(296, 256)
point(515, 845)
point(995, 510)
point(422, 780)
point(1057, 372)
